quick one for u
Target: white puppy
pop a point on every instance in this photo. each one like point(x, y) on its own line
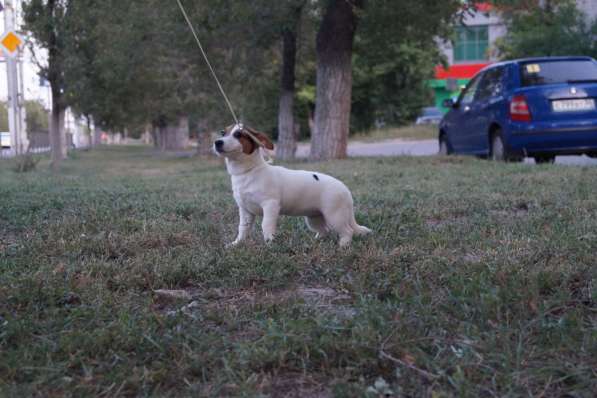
point(269, 191)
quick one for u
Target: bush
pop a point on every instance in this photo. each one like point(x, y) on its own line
point(25, 163)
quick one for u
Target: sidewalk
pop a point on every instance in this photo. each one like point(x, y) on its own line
point(422, 148)
point(383, 148)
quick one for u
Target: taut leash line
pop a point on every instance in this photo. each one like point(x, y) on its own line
point(184, 13)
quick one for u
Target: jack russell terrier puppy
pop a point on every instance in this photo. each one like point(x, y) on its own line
point(261, 189)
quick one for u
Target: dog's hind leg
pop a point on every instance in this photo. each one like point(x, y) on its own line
point(345, 235)
point(318, 225)
point(339, 222)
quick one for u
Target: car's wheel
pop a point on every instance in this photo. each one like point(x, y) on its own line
point(498, 151)
point(444, 146)
point(592, 155)
point(543, 159)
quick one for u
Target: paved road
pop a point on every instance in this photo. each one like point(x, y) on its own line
point(422, 148)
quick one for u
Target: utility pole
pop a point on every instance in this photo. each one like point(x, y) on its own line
point(16, 126)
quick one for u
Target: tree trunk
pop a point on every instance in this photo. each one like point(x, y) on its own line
point(204, 143)
point(57, 132)
point(67, 139)
point(181, 134)
point(97, 135)
point(169, 137)
point(334, 80)
point(286, 133)
point(155, 134)
point(163, 138)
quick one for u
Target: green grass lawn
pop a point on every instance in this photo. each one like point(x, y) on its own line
point(480, 280)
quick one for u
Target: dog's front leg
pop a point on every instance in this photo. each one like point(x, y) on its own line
point(271, 210)
point(245, 223)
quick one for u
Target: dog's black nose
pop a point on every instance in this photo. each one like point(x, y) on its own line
point(219, 144)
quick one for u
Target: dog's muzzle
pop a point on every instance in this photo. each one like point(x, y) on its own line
point(219, 145)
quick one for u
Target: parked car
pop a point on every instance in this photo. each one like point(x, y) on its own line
point(537, 107)
point(4, 140)
point(430, 115)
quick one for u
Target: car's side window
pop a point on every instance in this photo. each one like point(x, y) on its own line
point(468, 95)
point(492, 85)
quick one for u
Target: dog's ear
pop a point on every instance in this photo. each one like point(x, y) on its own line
point(264, 139)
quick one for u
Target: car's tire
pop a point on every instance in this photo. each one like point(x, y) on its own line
point(498, 151)
point(544, 159)
point(592, 155)
point(444, 146)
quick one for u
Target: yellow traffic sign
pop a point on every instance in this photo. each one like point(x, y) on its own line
point(10, 43)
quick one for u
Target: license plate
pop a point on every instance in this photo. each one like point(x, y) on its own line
point(573, 105)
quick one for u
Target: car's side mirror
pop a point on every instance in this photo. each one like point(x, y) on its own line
point(449, 103)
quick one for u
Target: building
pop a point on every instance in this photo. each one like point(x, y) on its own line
point(474, 48)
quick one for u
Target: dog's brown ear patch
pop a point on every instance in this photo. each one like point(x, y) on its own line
point(264, 139)
point(247, 143)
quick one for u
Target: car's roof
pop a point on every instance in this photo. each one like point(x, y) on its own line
point(536, 59)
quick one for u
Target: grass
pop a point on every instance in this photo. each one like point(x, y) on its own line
point(412, 132)
point(480, 280)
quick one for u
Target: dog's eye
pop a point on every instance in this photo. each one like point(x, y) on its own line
point(237, 134)
point(222, 133)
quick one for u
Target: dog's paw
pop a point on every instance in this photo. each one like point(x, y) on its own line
point(232, 244)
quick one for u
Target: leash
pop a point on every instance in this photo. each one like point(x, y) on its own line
point(213, 73)
point(215, 76)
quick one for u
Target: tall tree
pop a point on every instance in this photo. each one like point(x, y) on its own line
point(388, 30)
point(334, 78)
point(48, 21)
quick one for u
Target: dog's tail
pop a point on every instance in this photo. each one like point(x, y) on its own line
point(359, 229)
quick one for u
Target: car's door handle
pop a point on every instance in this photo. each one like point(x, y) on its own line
point(466, 108)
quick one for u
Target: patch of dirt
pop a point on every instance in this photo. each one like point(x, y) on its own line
point(472, 258)
point(324, 299)
point(519, 210)
point(294, 386)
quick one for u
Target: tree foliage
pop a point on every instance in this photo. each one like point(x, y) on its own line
point(395, 55)
point(550, 28)
point(129, 64)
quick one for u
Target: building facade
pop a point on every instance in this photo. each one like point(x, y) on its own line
point(474, 48)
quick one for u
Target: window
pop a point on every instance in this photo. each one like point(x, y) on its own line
point(471, 43)
point(555, 72)
point(492, 84)
point(468, 95)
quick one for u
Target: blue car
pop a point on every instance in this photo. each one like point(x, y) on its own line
point(535, 107)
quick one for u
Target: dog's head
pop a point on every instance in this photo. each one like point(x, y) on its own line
point(237, 140)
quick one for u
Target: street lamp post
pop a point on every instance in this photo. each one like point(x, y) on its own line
point(19, 142)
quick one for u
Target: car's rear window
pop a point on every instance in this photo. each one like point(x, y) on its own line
point(556, 72)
